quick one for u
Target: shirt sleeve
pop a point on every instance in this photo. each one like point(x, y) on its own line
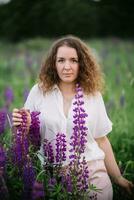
point(103, 124)
point(30, 103)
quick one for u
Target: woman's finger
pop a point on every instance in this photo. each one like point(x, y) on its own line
point(16, 123)
point(130, 187)
point(16, 119)
point(15, 110)
point(25, 110)
point(16, 115)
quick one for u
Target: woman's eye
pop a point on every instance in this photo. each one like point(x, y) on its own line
point(60, 61)
point(75, 61)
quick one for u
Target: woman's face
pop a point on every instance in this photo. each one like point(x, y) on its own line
point(67, 64)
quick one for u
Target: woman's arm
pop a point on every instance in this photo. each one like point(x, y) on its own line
point(111, 164)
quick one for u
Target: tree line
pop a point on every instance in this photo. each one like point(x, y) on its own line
point(49, 18)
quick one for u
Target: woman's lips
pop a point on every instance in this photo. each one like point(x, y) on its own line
point(67, 74)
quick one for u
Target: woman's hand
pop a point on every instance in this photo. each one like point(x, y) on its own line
point(17, 117)
point(126, 184)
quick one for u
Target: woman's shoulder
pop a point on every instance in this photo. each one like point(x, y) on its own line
point(36, 89)
point(95, 100)
point(96, 95)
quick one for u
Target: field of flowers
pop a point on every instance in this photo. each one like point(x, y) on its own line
point(19, 65)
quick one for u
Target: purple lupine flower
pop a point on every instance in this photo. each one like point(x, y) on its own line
point(3, 188)
point(2, 120)
point(38, 191)
point(78, 138)
point(48, 151)
point(60, 147)
point(28, 173)
point(83, 176)
point(9, 96)
point(2, 159)
point(28, 176)
point(34, 131)
point(67, 181)
point(17, 149)
point(78, 142)
point(52, 182)
point(21, 143)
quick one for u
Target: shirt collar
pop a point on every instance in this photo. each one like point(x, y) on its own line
point(55, 87)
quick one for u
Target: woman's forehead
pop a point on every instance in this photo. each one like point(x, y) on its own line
point(66, 51)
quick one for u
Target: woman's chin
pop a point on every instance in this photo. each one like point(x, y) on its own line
point(68, 81)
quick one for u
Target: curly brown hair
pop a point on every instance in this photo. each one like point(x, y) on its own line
point(90, 76)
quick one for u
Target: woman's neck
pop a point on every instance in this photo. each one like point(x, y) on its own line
point(67, 88)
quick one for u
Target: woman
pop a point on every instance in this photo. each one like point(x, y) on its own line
point(69, 62)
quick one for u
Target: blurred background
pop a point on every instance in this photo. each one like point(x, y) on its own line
point(88, 18)
point(28, 28)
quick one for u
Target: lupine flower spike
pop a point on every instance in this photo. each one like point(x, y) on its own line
point(78, 166)
point(21, 143)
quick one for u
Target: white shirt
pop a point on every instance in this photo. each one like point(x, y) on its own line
point(53, 119)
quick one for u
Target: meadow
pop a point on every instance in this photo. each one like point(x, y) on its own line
point(19, 66)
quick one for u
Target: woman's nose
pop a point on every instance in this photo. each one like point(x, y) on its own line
point(67, 65)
